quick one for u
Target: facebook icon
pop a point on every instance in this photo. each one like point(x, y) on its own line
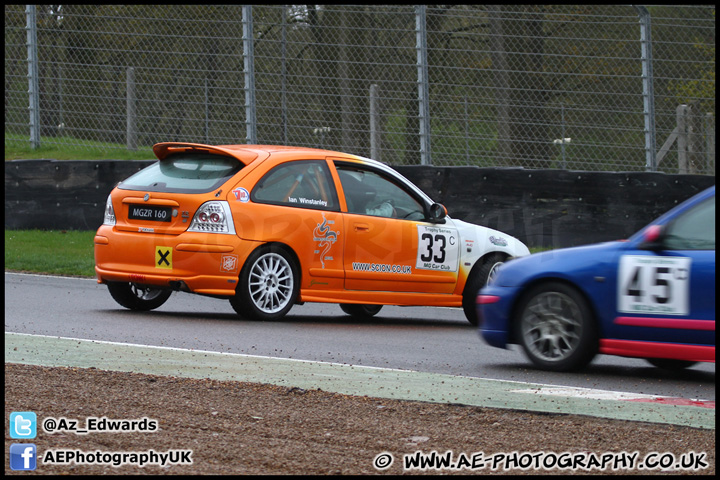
point(23, 456)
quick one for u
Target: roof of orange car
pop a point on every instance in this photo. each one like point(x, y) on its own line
point(244, 152)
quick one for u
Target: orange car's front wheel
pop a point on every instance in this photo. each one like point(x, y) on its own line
point(269, 284)
point(360, 312)
point(478, 278)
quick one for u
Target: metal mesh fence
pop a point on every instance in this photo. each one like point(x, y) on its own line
point(584, 87)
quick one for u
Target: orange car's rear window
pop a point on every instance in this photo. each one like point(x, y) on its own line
point(184, 173)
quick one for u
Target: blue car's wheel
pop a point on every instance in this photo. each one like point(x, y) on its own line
point(670, 364)
point(556, 328)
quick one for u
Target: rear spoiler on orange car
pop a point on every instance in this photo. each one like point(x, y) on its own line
point(240, 152)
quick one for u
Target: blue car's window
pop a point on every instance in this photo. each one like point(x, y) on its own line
point(694, 229)
point(184, 173)
point(303, 184)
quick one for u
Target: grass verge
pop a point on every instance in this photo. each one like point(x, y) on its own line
point(57, 252)
point(17, 147)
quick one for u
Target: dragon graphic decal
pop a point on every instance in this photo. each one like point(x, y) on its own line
point(325, 238)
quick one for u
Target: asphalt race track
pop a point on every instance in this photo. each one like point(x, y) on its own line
point(427, 354)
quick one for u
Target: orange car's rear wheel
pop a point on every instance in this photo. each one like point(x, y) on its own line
point(269, 284)
point(138, 297)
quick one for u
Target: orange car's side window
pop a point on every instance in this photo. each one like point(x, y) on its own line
point(303, 184)
point(368, 193)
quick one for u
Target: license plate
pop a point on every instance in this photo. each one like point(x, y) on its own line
point(153, 213)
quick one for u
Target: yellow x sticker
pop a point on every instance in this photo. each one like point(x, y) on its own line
point(163, 257)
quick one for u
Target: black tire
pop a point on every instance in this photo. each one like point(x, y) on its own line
point(138, 297)
point(269, 284)
point(360, 312)
point(670, 364)
point(556, 327)
point(479, 276)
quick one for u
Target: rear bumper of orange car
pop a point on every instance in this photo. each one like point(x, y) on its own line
point(202, 263)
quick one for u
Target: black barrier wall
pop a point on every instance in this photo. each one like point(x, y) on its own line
point(543, 208)
point(556, 208)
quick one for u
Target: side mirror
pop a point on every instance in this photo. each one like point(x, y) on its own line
point(438, 212)
point(652, 238)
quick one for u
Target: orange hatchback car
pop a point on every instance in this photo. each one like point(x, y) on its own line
point(271, 226)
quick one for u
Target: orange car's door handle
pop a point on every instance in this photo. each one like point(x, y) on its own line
point(362, 227)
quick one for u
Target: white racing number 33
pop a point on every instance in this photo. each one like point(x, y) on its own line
point(437, 248)
point(654, 285)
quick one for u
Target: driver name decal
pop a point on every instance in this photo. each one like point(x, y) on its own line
point(308, 201)
point(437, 248)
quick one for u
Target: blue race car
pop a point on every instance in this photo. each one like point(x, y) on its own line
point(652, 296)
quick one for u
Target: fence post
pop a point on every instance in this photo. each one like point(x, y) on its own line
point(648, 88)
point(61, 118)
point(682, 140)
point(33, 73)
point(695, 140)
point(249, 67)
point(131, 123)
point(375, 122)
point(283, 79)
point(206, 93)
point(467, 130)
point(423, 84)
point(710, 144)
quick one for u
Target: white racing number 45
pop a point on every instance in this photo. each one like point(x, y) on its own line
point(654, 285)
